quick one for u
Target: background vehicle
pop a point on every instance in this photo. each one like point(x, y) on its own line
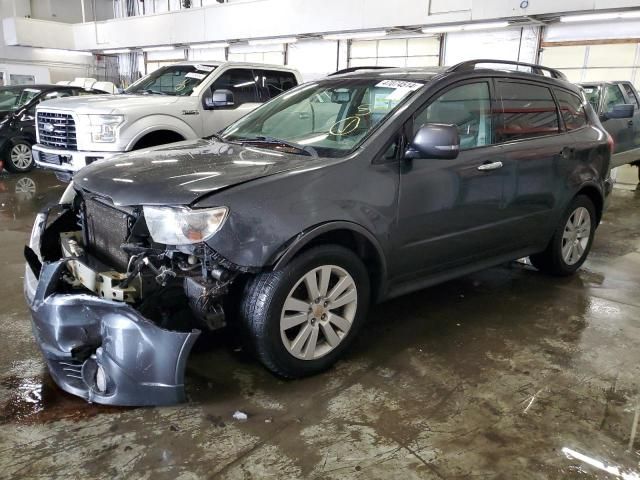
point(17, 128)
point(351, 189)
point(617, 104)
point(178, 102)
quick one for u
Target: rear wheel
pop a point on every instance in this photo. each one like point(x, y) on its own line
point(19, 158)
point(300, 319)
point(571, 241)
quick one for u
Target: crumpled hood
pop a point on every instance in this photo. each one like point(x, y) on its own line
point(181, 173)
point(111, 104)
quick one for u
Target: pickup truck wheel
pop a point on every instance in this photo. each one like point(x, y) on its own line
point(19, 158)
point(300, 319)
point(571, 241)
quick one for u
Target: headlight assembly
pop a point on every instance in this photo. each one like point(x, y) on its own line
point(182, 225)
point(104, 128)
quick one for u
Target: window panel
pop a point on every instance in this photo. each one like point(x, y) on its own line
point(242, 84)
point(362, 49)
point(564, 57)
point(392, 61)
point(612, 97)
point(423, 46)
point(571, 110)
point(422, 61)
point(631, 94)
point(598, 74)
point(618, 55)
point(468, 107)
point(526, 111)
point(392, 48)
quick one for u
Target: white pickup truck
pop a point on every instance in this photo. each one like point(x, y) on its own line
point(178, 102)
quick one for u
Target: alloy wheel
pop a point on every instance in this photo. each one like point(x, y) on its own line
point(576, 235)
point(318, 312)
point(21, 156)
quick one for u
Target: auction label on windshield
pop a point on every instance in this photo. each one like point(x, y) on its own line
point(195, 75)
point(399, 84)
point(205, 68)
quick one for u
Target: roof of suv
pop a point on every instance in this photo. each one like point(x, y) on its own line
point(240, 64)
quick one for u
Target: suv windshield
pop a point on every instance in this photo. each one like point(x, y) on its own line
point(173, 80)
point(592, 93)
point(15, 98)
point(330, 117)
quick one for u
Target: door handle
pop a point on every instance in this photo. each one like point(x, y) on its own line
point(630, 123)
point(490, 166)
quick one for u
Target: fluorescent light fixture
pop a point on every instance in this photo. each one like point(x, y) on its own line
point(465, 28)
point(273, 41)
point(590, 17)
point(210, 45)
point(66, 52)
point(351, 35)
point(159, 49)
point(116, 50)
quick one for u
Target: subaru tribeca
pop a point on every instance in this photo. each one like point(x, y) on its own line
point(292, 221)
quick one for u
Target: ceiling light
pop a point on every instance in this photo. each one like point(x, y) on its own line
point(159, 49)
point(116, 50)
point(210, 45)
point(67, 52)
point(351, 35)
point(590, 17)
point(272, 41)
point(466, 27)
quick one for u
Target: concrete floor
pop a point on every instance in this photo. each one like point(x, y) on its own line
point(495, 375)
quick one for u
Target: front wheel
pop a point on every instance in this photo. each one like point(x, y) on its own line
point(19, 158)
point(300, 319)
point(571, 242)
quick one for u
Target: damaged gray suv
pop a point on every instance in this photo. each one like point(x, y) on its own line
point(290, 223)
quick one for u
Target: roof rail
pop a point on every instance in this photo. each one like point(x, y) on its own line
point(536, 69)
point(355, 69)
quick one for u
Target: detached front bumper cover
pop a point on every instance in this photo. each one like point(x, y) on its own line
point(102, 350)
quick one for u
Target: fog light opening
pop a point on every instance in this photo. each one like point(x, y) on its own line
point(101, 380)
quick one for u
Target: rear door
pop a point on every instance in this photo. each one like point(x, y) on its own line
point(534, 146)
point(632, 98)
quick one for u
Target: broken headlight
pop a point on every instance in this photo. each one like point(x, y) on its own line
point(182, 225)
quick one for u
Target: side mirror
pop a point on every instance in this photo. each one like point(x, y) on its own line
point(434, 140)
point(219, 98)
point(619, 111)
point(27, 117)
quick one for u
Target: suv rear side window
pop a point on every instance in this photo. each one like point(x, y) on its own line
point(631, 94)
point(241, 83)
point(571, 110)
point(526, 111)
point(468, 107)
point(273, 82)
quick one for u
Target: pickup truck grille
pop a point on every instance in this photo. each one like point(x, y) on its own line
point(57, 130)
point(107, 228)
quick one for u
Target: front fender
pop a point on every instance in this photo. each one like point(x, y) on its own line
point(153, 123)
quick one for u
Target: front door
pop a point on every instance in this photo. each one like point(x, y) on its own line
point(620, 129)
point(450, 211)
point(242, 84)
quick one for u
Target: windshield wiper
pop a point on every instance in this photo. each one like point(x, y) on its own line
point(148, 91)
point(261, 140)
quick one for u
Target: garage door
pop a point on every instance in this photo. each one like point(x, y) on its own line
point(397, 52)
point(592, 62)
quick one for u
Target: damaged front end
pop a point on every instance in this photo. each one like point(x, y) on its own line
point(114, 313)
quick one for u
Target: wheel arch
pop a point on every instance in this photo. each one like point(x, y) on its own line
point(159, 124)
point(594, 194)
point(349, 235)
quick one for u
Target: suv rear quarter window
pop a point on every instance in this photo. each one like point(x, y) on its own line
point(571, 110)
point(525, 111)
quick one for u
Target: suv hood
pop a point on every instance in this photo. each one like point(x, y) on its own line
point(108, 104)
point(184, 172)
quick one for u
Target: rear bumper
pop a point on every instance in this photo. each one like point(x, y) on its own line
point(66, 160)
point(101, 350)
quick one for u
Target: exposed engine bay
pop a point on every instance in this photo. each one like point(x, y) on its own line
point(98, 283)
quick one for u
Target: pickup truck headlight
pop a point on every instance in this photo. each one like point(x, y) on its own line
point(182, 225)
point(104, 127)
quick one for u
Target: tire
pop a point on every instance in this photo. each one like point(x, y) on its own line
point(18, 158)
point(560, 258)
point(276, 335)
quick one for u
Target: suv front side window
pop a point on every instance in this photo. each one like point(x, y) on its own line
point(468, 107)
point(526, 111)
point(613, 96)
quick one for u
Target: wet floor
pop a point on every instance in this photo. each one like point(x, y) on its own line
point(502, 374)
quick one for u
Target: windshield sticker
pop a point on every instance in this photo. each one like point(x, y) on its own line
point(589, 89)
point(197, 76)
point(205, 68)
point(410, 86)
